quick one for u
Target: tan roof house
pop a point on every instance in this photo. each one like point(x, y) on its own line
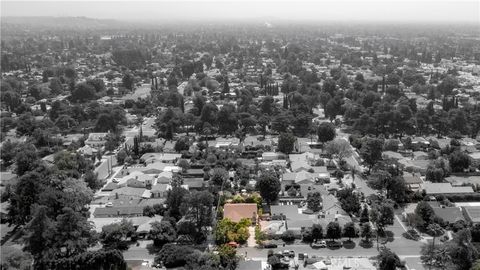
point(237, 211)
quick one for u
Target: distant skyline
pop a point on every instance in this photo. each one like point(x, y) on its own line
point(425, 11)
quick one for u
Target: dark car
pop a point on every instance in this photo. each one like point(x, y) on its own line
point(334, 244)
point(269, 245)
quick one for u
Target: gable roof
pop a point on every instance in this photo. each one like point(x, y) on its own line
point(445, 188)
point(449, 214)
point(236, 211)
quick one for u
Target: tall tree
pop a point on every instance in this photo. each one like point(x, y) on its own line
point(269, 186)
point(326, 132)
point(286, 143)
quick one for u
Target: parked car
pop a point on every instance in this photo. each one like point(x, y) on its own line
point(289, 253)
point(319, 244)
point(269, 245)
point(115, 180)
point(335, 244)
point(109, 204)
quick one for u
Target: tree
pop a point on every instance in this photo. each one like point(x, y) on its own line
point(461, 250)
point(388, 260)
point(183, 163)
point(364, 217)
point(13, 258)
point(172, 255)
point(288, 236)
point(174, 201)
point(317, 232)
point(74, 233)
point(333, 231)
point(269, 186)
point(162, 233)
point(26, 158)
point(197, 207)
point(286, 143)
point(8, 152)
point(425, 212)
point(437, 256)
point(396, 189)
point(83, 92)
point(121, 156)
point(314, 201)
point(366, 231)
point(227, 120)
point(182, 144)
point(350, 231)
point(219, 176)
point(282, 121)
point(26, 124)
point(459, 161)
point(349, 201)
point(92, 260)
point(128, 81)
point(339, 147)
point(39, 234)
point(114, 235)
point(371, 151)
point(326, 132)
point(92, 181)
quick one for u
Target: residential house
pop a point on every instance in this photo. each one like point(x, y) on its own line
point(96, 140)
point(413, 181)
point(237, 211)
point(472, 213)
point(149, 158)
point(301, 177)
point(445, 189)
point(160, 190)
point(449, 215)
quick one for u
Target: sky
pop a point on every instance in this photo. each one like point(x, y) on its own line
point(449, 11)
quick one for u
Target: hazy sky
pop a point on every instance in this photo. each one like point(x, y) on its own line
point(341, 10)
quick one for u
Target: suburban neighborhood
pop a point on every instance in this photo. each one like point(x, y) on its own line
point(245, 146)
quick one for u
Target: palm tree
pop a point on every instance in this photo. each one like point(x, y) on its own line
point(434, 230)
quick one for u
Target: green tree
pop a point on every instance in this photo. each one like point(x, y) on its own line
point(388, 260)
point(286, 143)
point(114, 236)
point(269, 186)
point(39, 234)
point(350, 231)
point(333, 231)
point(371, 152)
point(317, 232)
point(128, 81)
point(83, 92)
point(74, 234)
point(425, 212)
point(197, 207)
point(367, 231)
point(174, 200)
point(162, 233)
point(339, 147)
point(314, 201)
point(326, 132)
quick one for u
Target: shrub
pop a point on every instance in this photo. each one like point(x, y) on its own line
point(288, 236)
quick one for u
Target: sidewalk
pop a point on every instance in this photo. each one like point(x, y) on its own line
point(251, 239)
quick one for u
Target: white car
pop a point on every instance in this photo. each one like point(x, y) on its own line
point(109, 204)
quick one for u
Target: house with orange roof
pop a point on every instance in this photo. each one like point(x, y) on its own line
point(237, 211)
